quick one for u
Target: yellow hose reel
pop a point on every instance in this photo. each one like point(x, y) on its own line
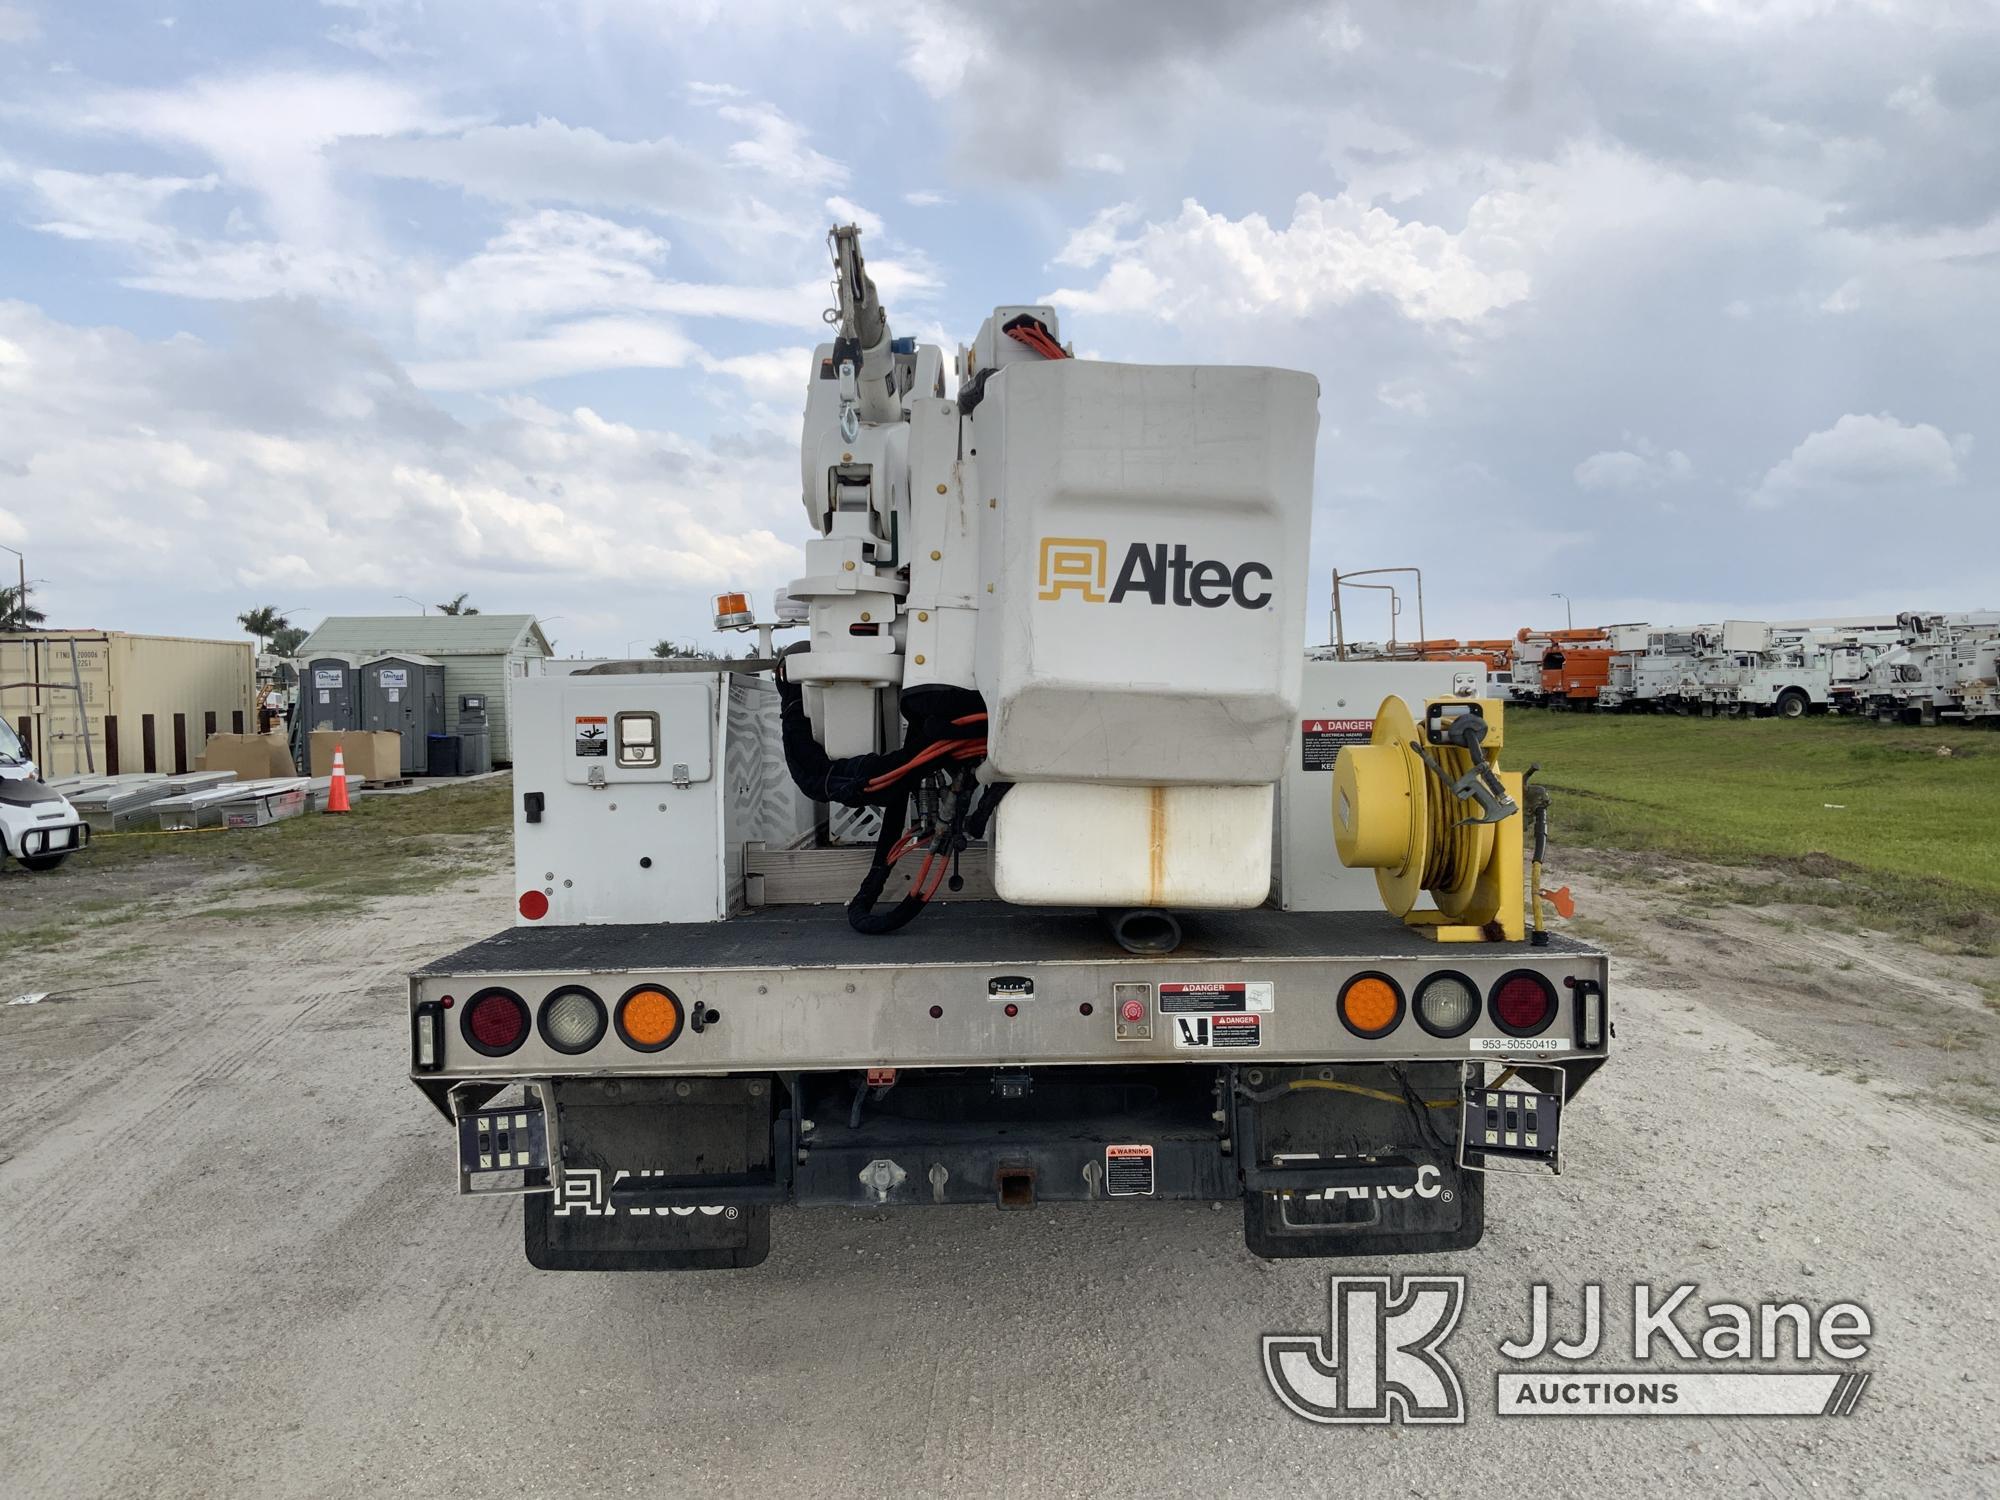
point(1426, 806)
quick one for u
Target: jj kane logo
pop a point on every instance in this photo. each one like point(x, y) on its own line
point(1153, 571)
point(1381, 1360)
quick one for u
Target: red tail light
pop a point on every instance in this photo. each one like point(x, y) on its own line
point(495, 1022)
point(1523, 1003)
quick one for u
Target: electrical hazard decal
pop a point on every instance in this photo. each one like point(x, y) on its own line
point(1227, 1029)
point(1320, 740)
point(1128, 1171)
point(1216, 996)
point(592, 735)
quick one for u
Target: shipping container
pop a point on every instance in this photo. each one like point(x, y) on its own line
point(148, 702)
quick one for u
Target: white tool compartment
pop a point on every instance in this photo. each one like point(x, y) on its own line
point(635, 793)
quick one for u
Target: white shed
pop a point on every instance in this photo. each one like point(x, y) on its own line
point(481, 654)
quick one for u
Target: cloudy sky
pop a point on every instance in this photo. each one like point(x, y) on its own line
point(1686, 310)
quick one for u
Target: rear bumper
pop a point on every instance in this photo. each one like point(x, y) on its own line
point(1055, 998)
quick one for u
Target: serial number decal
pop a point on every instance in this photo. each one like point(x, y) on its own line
point(1520, 1044)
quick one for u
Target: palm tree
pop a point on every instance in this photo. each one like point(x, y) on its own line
point(285, 640)
point(458, 606)
point(13, 614)
point(263, 622)
point(674, 651)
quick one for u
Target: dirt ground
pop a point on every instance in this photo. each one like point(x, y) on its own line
point(232, 1261)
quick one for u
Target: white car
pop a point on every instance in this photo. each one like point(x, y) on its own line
point(38, 827)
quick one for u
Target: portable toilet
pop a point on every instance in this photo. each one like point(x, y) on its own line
point(329, 693)
point(475, 753)
point(405, 692)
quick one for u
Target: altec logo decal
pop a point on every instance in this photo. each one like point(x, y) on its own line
point(1159, 573)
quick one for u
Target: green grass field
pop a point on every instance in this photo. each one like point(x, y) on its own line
point(1870, 815)
point(385, 846)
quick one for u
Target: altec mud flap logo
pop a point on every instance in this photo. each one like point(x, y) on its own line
point(1153, 572)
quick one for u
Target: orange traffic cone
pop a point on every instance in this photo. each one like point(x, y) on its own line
point(336, 791)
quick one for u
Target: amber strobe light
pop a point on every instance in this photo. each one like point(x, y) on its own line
point(649, 1018)
point(1371, 1005)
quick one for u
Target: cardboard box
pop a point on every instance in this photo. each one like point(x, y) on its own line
point(253, 757)
point(375, 754)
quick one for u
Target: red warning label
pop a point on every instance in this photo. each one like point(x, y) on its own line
point(1128, 1171)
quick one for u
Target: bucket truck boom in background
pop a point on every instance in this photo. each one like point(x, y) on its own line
point(968, 896)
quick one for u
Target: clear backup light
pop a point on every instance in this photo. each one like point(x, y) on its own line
point(1447, 1005)
point(573, 1020)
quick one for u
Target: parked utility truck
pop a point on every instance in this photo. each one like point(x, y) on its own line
point(967, 898)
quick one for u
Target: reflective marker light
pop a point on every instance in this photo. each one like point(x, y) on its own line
point(1523, 1003)
point(573, 1020)
point(534, 905)
point(495, 1022)
point(425, 1038)
point(1371, 1005)
point(649, 1018)
point(1447, 1005)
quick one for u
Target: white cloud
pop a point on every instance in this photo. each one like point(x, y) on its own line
point(1640, 467)
point(328, 471)
point(561, 349)
point(1404, 395)
point(1864, 455)
point(778, 376)
point(18, 24)
point(777, 147)
point(270, 133)
point(847, 211)
point(114, 207)
point(1204, 265)
point(551, 162)
point(1097, 240)
point(927, 198)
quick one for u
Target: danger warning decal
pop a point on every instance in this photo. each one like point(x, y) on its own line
point(1128, 1171)
point(1320, 740)
point(592, 738)
point(1214, 996)
point(1195, 1033)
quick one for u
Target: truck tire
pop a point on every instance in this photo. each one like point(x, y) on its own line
point(43, 862)
point(1791, 704)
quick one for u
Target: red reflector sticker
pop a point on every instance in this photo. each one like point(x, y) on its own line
point(534, 905)
point(1128, 1171)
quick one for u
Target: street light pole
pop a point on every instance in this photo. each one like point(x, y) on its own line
point(422, 608)
point(1568, 613)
